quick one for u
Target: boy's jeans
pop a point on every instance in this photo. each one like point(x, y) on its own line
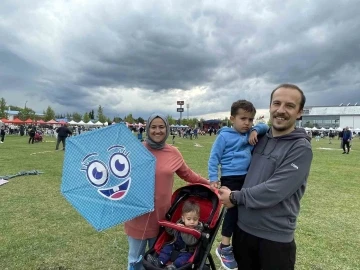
point(136, 248)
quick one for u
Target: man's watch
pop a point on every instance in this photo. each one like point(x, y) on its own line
point(232, 198)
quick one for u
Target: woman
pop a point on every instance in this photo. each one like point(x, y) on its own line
point(142, 231)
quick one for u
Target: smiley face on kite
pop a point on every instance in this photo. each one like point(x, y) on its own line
point(99, 172)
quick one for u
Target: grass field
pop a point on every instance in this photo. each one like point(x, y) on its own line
point(40, 230)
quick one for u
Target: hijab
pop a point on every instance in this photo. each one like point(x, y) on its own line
point(149, 141)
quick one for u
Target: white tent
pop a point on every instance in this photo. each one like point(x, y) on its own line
point(72, 122)
point(89, 123)
point(314, 128)
point(339, 129)
point(307, 128)
point(98, 123)
point(331, 128)
point(81, 122)
point(322, 128)
point(106, 123)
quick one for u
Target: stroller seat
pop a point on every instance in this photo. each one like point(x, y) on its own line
point(211, 213)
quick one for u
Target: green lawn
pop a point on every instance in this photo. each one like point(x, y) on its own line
point(40, 230)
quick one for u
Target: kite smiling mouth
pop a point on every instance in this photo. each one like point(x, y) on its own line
point(116, 192)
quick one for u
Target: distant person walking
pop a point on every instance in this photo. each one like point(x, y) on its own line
point(32, 132)
point(346, 139)
point(2, 134)
point(63, 132)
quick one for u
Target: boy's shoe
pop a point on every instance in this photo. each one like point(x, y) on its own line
point(226, 257)
point(171, 267)
point(154, 261)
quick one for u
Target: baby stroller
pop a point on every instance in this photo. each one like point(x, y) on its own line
point(211, 214)
point(38, 137)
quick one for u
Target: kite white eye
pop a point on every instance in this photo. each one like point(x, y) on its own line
point(119, 165)
point(97, 173)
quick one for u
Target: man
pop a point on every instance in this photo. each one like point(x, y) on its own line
point(346, 139)
point(269, 202)
point(63, 132)
point(2, 134)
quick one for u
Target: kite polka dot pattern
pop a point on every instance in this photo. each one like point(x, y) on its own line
point(108, 176)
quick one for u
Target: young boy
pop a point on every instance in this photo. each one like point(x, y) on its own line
point(182, 242)
point(232, 151)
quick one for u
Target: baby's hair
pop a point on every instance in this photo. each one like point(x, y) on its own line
point(190, 206)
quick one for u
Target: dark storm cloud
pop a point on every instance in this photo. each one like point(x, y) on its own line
point(233, 51)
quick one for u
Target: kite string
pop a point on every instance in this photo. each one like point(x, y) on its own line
point(147, 221)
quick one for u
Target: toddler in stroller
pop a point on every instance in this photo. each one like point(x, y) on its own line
point(38, 137)
point(187, 234)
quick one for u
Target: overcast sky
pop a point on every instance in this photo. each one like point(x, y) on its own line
point(141, 57)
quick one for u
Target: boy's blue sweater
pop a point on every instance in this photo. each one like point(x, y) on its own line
point(232, 151)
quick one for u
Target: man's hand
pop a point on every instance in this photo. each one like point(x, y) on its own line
point(253, 139)
point(224, 193)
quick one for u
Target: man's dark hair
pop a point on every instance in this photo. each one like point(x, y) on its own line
point(191, 206)
point(291, 86)
point(242, 104)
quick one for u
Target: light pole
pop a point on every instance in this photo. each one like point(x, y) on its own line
point(25, 104)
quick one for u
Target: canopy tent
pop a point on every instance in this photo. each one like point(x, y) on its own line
point(322, 128)
point(106, 124)
point(28, 121)
point(4, 120)
point(314, 128)
point(16, 121)
point(89, 123)
point(339, 129)
point(98, 123)
point(81, 122)
point(72, 122)
point(41, 122)
point(179, 126)
point(52, 121)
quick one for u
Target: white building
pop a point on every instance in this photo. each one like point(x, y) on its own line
point(331, 116)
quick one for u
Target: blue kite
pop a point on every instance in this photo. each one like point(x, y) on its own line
point(108, 176)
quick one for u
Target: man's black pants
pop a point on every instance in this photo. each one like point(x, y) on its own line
point(233, 182)
point(347, 144)
point(254, 253)
point(60, 139)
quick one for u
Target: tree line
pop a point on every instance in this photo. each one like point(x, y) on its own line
point(49, 114)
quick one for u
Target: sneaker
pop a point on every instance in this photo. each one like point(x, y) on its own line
point(344, 152)
point(154, 261)
point(226, 257)
point(171, 267)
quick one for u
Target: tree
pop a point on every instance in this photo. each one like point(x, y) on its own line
point(76, 117)
point(26, 113)
point(49, 114)
point(171, 120)
point(100, 115)
point(141, 120)
point(86, 117)
point(117, 119)
point(3, 108)
point(129, 118)
point(269, 123)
